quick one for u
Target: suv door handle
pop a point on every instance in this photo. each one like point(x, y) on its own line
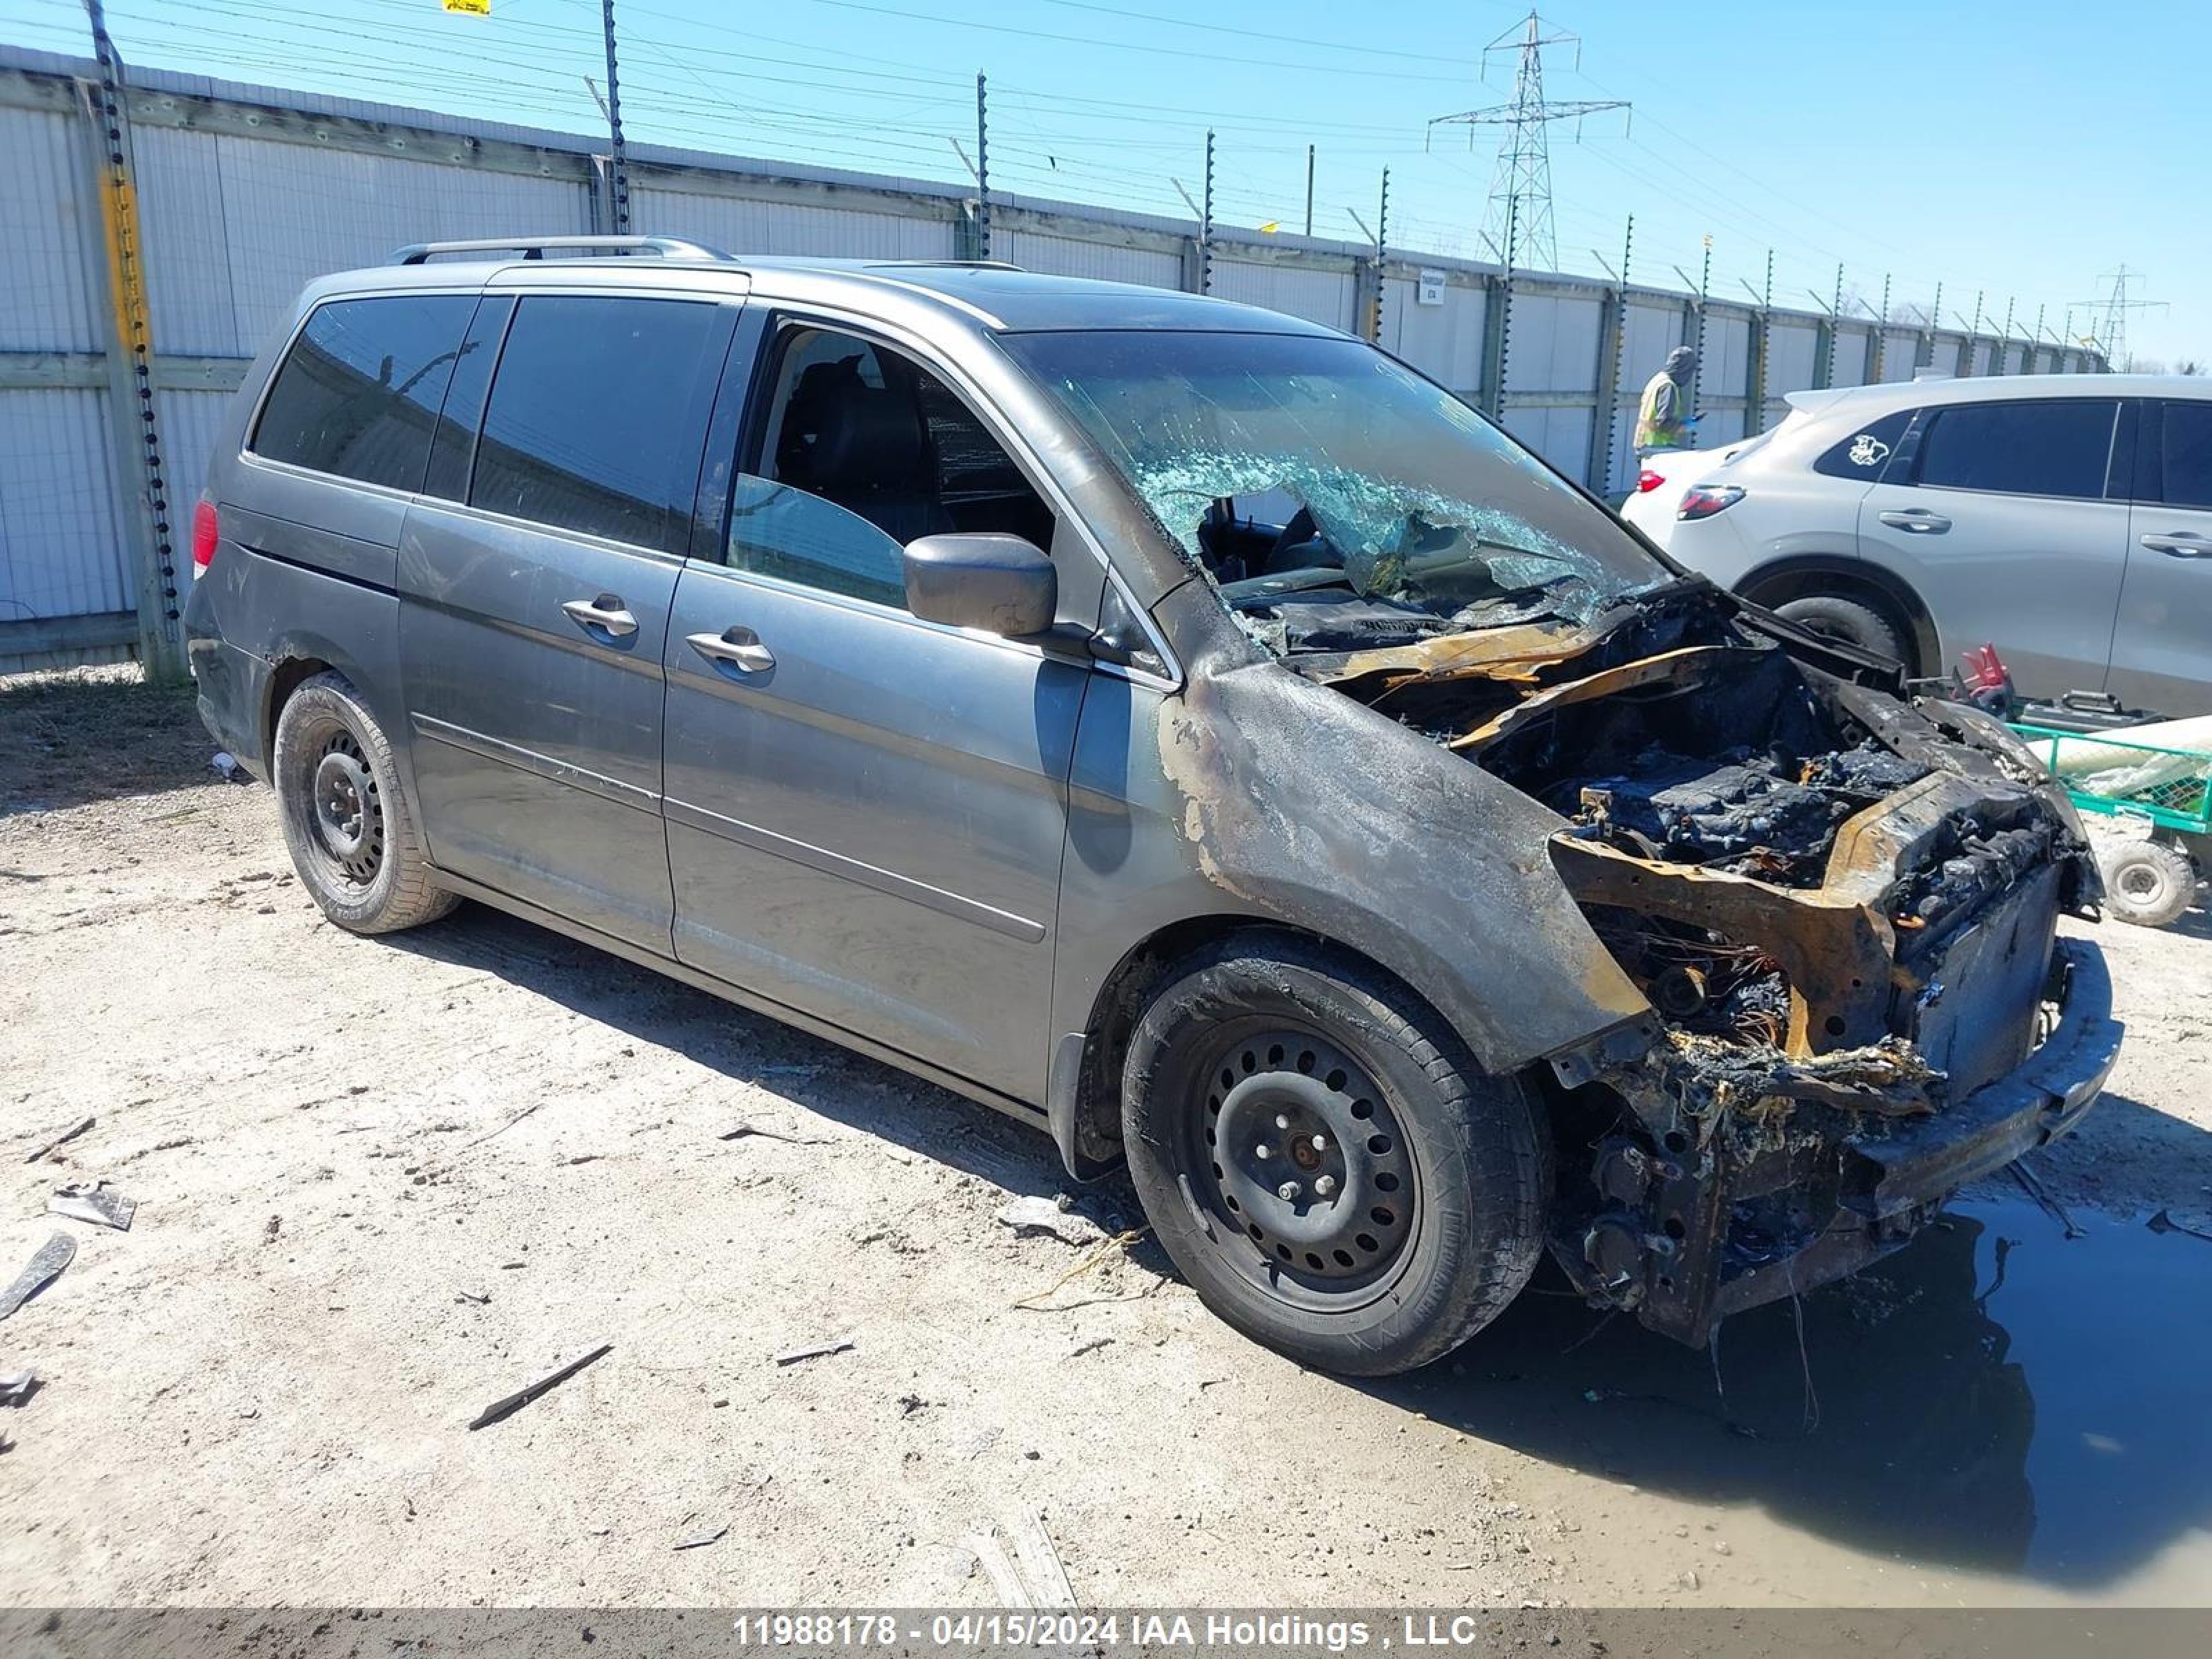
point(1918, 521)
point(607, 611)
point(2181, 545)
point(741, 647)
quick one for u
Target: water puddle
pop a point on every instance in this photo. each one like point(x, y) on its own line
point(1997, 1398)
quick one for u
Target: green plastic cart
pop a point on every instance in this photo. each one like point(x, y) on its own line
point(2152, 879)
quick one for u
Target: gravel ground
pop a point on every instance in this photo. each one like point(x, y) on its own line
point(383, 1183)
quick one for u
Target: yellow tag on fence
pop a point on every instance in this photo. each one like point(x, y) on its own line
point(474, 7)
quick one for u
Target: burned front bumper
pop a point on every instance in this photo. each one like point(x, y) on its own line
point(1694, 1233)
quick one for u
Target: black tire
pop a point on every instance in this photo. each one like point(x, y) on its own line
point(2149, 882)
point(1848, 622)
point(348, 822)
point(1434, 1216)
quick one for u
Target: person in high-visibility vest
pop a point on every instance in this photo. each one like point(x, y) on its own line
point(1663, 420)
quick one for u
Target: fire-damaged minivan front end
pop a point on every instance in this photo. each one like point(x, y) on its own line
point(1841, 906)
point(1843, 909)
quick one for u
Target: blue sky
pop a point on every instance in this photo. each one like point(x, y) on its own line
point(2020, 150)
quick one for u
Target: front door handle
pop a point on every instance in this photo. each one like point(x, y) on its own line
point(2180, 544)
point(607, 612)
point(1916, 520)
point(741, 647)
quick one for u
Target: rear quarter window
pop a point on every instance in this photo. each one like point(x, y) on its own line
point(1867, 451)
point(357, 396)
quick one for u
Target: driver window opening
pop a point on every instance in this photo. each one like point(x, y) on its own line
point(869, 430)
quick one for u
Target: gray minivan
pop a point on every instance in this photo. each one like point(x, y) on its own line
point(1177, 724)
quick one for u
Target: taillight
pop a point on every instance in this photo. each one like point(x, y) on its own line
point(1647, 480)
point(205, 534)
point(1703, 501)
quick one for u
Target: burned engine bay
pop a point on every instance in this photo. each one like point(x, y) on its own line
point(1796, 869)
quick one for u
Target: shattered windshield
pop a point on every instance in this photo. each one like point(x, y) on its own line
point(1335, 499)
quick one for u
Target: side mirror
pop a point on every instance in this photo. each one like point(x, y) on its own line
point(982, 579)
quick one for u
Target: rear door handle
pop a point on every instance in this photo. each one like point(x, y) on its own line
point(607, 612)
point(2181, 545)
point(1916, 520)
point(741, 647)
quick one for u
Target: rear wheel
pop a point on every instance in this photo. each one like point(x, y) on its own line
point(348, 823)
point(1850, 623)
point(2149, 883)
point(1322, 1160)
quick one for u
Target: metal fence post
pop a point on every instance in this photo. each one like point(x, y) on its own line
point(134, 416)
point(1605, 418)
point(617, 150)
point(1497, 322)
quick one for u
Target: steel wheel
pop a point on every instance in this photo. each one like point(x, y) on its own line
point(349, 813)
point(1322, 1159)
point(351, 829)
point(1298, 1151)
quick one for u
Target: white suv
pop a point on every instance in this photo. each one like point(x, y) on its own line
point(2068, 520)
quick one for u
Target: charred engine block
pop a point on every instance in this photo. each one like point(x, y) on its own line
point(1769, 813)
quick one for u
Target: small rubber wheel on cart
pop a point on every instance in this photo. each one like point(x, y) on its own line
point(2149, 883)
point(348, 823)
point(1323, 1159)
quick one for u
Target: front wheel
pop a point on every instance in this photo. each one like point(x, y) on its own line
point(348, 822)
point(1322, 1160)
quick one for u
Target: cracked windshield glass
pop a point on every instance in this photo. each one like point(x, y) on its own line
point(1335, 499)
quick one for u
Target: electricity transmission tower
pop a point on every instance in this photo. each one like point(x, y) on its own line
point(2112, 333)
point(1520, 208)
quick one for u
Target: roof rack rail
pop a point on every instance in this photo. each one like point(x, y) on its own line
point(533, 248)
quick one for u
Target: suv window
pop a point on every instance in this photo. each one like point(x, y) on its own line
point(598, 416)
point(860, 451)
point(2058, 447)
point(357, 396)
point(2185, 454)
point(1867, 451)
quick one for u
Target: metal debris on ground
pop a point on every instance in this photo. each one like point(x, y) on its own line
point(224, 766)
point(17, 1387)
point(743, 1130)
point(2035, 1190)
point(94, 1201)
point(2163, 1222)
point(480, 1297)
point(1112, 1247)
point(56, 1253)
point(702, 1536)
point(500, 1410)
point(1033, 1214)
point(820, 1350)
point(1091, 1346)
point(63, 1138)
point(504, 1127)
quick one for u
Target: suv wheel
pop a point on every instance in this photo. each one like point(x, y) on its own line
point(1324, 1163)
point(2149, 883)
point(1848, 622)
point(349, 826)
